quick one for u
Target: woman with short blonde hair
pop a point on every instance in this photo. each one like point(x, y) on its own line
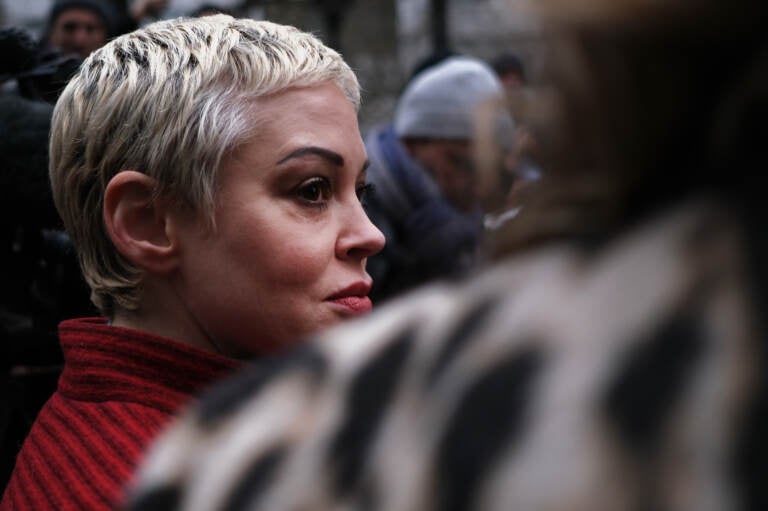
point(210, 173)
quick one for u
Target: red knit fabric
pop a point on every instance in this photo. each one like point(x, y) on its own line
point(118, 389)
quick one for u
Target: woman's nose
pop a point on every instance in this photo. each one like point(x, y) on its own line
point(359, 237)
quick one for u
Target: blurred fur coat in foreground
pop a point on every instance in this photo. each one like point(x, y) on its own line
point(612, 380)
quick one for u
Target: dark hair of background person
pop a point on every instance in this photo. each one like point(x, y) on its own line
point(508, 63)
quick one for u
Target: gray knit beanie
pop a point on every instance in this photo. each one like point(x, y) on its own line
point(441, 101)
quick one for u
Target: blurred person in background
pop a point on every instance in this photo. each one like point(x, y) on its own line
point(425, 198)
point(510, 69)
point(210, 172)
point(518, 173)
point(31, 71)
point(613, 359)
point(80, 26)
point(41, 282)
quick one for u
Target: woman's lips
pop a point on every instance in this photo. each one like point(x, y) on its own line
point(353, 305)
point(353, 299)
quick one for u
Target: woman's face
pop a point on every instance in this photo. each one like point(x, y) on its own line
point(288, 254)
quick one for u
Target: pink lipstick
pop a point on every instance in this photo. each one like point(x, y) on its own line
point(353, 300)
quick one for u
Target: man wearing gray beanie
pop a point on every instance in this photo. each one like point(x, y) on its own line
point(425, 200)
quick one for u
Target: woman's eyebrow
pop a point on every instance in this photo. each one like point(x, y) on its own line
point(332, 156)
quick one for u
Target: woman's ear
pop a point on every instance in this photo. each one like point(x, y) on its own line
point(138, 224)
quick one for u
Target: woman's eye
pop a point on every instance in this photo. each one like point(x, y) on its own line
point(364, 191)
point(315, 191)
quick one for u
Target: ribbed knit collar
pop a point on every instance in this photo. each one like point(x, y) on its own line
point(110, 363)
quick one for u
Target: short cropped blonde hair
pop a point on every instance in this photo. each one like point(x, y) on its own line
point(170, 101)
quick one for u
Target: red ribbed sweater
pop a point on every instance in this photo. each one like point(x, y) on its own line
point(118, 389)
